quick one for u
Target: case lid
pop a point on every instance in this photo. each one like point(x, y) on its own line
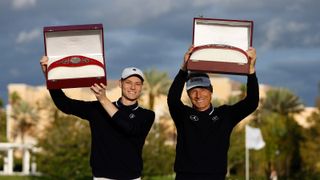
point(237, 33)
point(74, 40)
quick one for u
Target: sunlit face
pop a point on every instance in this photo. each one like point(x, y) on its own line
point(200, 98)
point(131, 88)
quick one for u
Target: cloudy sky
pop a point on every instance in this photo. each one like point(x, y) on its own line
point(156, 33)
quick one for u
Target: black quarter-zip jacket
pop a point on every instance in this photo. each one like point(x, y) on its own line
point(116, 142)
point(203, 137)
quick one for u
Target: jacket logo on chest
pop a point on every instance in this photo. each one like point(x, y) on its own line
point(194, 118)
point(131, 116)
point(215, 118)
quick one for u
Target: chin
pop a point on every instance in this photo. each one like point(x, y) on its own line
point(132, 98)
point(202, 108)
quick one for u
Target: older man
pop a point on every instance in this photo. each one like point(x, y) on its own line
point(203, 130)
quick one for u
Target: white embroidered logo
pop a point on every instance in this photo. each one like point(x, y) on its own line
point(194, 118)
point(215, 118)
point(131, 116)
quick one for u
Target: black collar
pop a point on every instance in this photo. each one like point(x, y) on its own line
point(132, 107)
point(209, 110)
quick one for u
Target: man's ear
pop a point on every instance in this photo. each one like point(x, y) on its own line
point(188, 93)
point(120, 83)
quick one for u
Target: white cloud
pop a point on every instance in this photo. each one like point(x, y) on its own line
point(22, 4)
point(146, 8)
point(234, 4)
point(273, 31)
point(130, 14)
point(296, 27)
point(312, 39)
point(280, 29)
point(13, 72)
point(129, 38)
point(25, 37)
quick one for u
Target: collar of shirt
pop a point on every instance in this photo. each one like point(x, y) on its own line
point(209, 110)
point(132, 107)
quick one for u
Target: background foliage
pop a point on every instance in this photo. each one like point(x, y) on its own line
point(65, 148)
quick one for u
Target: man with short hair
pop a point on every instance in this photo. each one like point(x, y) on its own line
point(118, 129)
point(203, 131)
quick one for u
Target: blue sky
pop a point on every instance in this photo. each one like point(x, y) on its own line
point(155, 34)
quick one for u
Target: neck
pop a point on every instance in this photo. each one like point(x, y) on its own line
point(127, 102)
point(202, 109)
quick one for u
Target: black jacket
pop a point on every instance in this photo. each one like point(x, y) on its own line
point(117, 142)
point(203, 137)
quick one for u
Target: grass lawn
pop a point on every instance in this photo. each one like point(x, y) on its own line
point(159, 178)
point(14, 178)
point(33, 178)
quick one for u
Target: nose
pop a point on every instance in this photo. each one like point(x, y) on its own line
point(132, 86)
point(197, 94)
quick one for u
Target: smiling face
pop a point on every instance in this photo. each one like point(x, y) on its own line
point(131, 89)
point(200, 98)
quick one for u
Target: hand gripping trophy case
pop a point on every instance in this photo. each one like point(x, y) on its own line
point(220, 46)
point(76, 56)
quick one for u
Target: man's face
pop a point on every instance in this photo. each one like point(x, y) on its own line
point(200, 98)
point(131, 88)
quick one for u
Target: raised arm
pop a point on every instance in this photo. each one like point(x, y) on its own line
point(65, 104)
point(250, 103)
point(100, 92)
point(175, 92)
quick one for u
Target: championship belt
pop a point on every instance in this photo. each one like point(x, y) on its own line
point(74, 61)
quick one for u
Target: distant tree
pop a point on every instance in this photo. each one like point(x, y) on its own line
point(282, 101)
point(318, 97)
point(282, 133)
point(24, 115)
point(158, 153)
point(310, 145)
point(236, 149)
point(1, 103)
point(157, 83)
point(14, 97)
point(2, 122)
point(64, 148)
point(236, 153)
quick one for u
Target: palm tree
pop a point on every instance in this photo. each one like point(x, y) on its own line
point(318, 97)
point(281, 130)
point(283, 102)
point(2, 122)
point(24, 115)
point(1, 103)
point(310, 146)
point(157, 83)
point(14, 98)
